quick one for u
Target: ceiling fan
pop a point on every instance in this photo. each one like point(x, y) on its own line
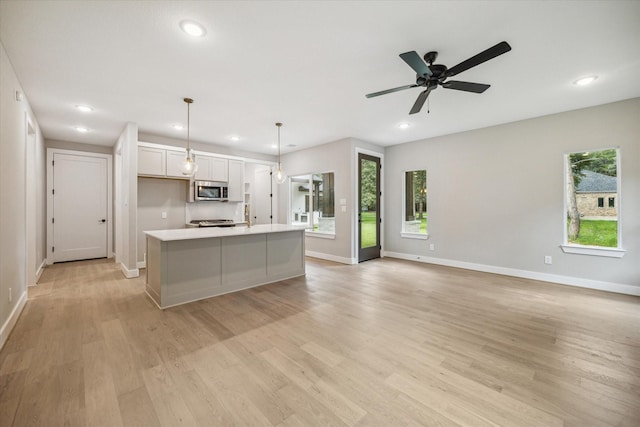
point(432, 75)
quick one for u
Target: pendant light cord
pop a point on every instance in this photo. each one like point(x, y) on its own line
point(279, 163)
point(189, 101)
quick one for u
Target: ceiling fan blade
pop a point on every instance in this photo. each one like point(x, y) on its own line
point(414, 61)
point(492, 52)
point(466, 86)
point(395, 89)
point(420, 101)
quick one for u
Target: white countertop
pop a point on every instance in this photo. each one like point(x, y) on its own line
point(207, 232)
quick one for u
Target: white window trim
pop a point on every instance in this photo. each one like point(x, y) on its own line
point(417, 236)
point(331, 236)
point(602, 251)
point(593, 250)
point(309, 231)
point(403, 233)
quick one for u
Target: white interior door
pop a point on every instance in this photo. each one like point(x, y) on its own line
point(80, 207)
point(261, 196)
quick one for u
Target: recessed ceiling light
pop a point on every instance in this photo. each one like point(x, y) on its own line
point(403, 125)
point(84, 108)
point(234, 138)
point(177, 126)
point(193, 28)
point(583, 81)
point(274, 145)
point(81, 129)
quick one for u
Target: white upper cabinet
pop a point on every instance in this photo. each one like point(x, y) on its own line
point(174, 161)
point(236, 181)
point(160, 162)
point(212, 168)
point(220, 169)
point(152, 161)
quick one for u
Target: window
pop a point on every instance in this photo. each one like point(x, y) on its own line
point(591, 227)
point(313, 202)
point(414, 223)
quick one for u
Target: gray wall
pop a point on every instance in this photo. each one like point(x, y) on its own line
point(496, 194)
point(154, 197)
point(338, 157)
point(77, 146)
point(14, 216)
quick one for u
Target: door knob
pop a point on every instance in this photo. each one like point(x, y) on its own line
point(102, 220)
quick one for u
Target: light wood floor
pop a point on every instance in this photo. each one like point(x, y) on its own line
point(384, 343)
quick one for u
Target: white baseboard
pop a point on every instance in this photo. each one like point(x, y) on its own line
point(8, 325)
point(329, 257)
point(129, 274)
point(40, 270)
point(619, 288)
point(141, 264)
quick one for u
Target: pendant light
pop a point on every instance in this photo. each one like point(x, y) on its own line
point(280, 176)
point(188, 166)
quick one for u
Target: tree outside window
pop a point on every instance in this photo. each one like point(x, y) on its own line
point(415, 202)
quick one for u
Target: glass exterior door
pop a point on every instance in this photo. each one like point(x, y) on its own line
point(368, 207)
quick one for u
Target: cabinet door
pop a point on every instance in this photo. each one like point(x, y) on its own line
point(204, 168)
point(236, 180)
point(219, 169)
point(151, 161)
point(174, 161)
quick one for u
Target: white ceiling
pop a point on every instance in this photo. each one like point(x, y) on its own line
point(309, 65)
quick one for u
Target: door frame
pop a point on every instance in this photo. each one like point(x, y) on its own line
point(33, 271)
point(109, 158)
point(355, 235)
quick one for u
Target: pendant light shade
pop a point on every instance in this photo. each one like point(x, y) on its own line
point(188, 166)
point(279, 175)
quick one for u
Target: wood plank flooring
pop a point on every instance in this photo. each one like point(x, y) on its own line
point(383, 343)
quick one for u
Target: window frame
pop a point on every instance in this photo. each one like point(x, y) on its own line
point(603, 251)
point(309, 231)
point(403, 233)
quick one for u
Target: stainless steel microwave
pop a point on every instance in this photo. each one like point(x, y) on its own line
point(210, 190)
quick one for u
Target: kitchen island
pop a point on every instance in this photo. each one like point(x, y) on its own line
point(191, 264)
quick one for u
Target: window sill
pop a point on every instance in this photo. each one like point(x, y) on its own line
point(320, 235)
point(593, 250)
point(417, 236)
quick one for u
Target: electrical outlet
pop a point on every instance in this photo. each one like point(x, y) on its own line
point(164, 215)
point(432, 247)
point(548, 259)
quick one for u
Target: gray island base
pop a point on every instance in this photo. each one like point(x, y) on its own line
point(187, 265)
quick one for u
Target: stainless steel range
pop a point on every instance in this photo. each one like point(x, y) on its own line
point(212, 223)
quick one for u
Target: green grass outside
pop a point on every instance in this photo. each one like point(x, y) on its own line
point(597, 233)
point(368, 228)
